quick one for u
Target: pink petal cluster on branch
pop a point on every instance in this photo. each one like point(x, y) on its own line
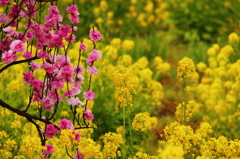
point(47, 38)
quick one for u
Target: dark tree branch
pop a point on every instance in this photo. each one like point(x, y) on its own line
point(17, 62)
point(23, 113)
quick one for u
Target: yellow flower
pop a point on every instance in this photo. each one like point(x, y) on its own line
point(112, 142)
point(201, 67)
point(186, 69)
point(96, 11)
point(172, 152)
point(142, 122)
point(163, 67)
point(149, 7)
point(211, 51)
point(233, 37)
point(179, 114)
point(128, 45)
point(116, 42)
point(103, 5)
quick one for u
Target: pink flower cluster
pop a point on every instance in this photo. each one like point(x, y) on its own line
point(4, 2)
point(94, 55)
point(49, 149)
point(48, 37)
point(73, 10)
point(95, 35)
point(87, 114)
point(59, 71)
point(51, 130)
point(78, 155)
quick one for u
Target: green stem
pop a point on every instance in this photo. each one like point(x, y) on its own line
point(185, 102)
point(184, 105)
point(124, 126)
point(130, 131)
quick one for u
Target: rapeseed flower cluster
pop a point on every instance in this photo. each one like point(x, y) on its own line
point(89, 148)
point(179, 113)
point(112, 141)
point(186, 69)
point(143, 121)
point(123, 88)
point(8, 146)
point(218, 89)
point(160, 65)
point(31, 146)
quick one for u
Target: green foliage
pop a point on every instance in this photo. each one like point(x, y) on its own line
point(195, 20)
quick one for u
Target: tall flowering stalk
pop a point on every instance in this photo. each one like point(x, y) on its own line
point(42, 39)
point(185, 73)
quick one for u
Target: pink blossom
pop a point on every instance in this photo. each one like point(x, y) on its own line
point(78, 155)
point(15, 9)
point(28, 77)
point(51, 131)
point(83, 46)
point(54, 96)
point(48, 67)
point(5, 44)
point(89, 95)
point(57, 85)
point(67, 77)
point(75, 28)
point(79, 78)
point(44, 156)
point(74, 19)
point(71, 37)
point(3, 18)
point(27, 55)
point(9, 31)
point(47, 103)
point(29, 24)
point(72, 9)
point(35, 65)
point(68, 93)
point(4, 2)
point(17, 46)
point(95, 35)
point(20, 36)
point(66, 124)
point(49, 149)
point(13, 23)
point(30, 12)
point(87, 114)
point(54, 14)
point(58, 40)
point(29, 36)
point(95, 54)
point(62, 60)
point(42, 54)
point(67, 69)
point(7, 57)
point(77, 136)
point(76, 85)
point(36, 97)
point(78, 69)
point(75, 91)
point(37, 85)
point(64, 30)
point(39, 46)
point(93, 70)
point(74, 101)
